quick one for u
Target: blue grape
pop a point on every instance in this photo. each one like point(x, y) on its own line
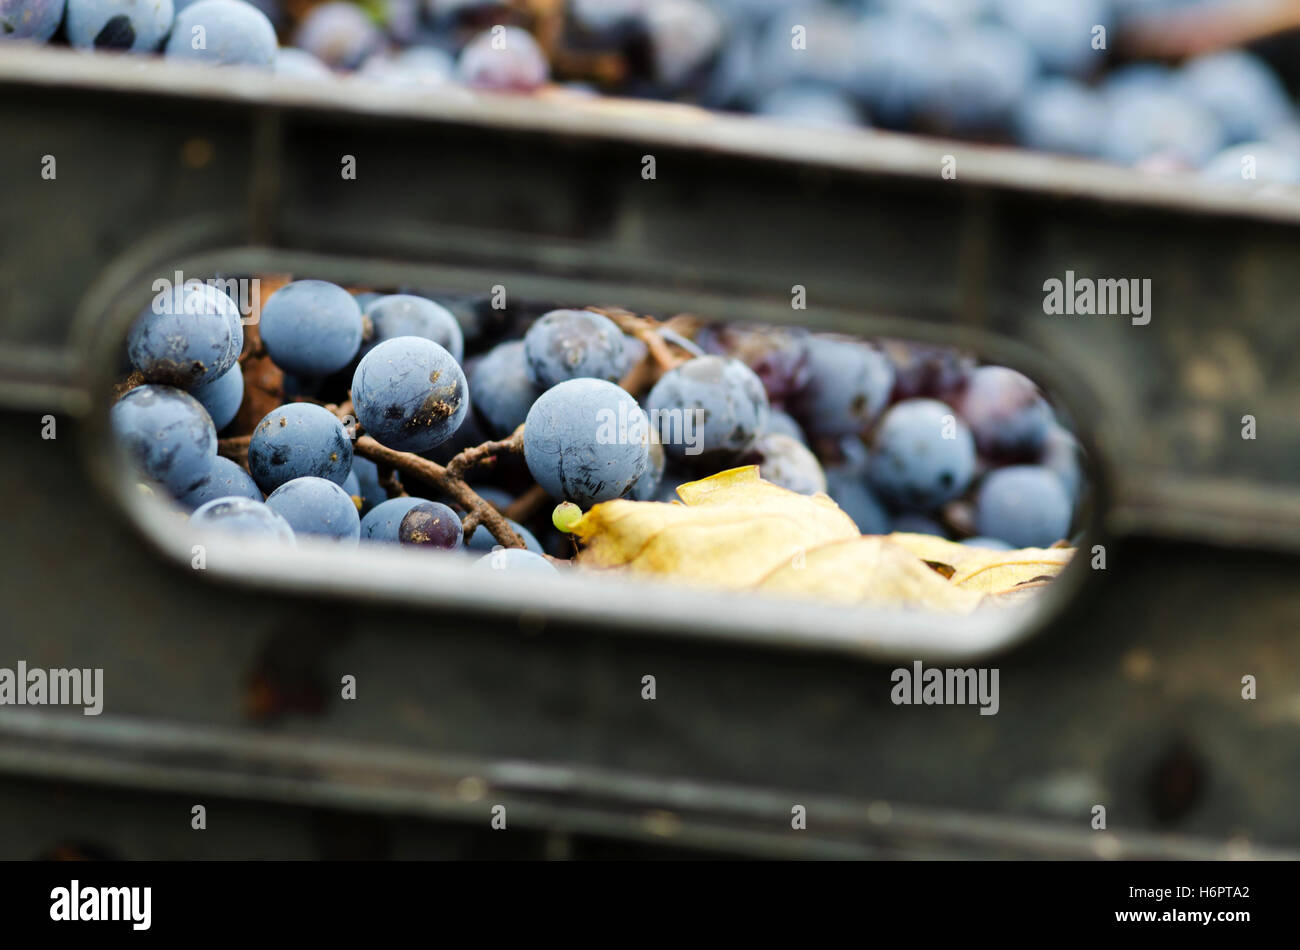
point(992, 544)
point(498, 498)
point(167, 434)
point(849, 383)
point(710, 409)
point(410, 394)
point(787, 462)
point(1264, 163)
point(351, 485)
point(1063, 456)
point(431, 524)
point(646, 488)
point(809, 104)
point(1240, 89)
point(1024, 505)
point(311, 327)
point(899, 67)
point(119, 24)
point(407, 315)
point(30, 19)
point(223, 396)
point(910, 522)
point(226, 479)
point(300, 64)
point(923, 455)
point(383, 521)
point(418, 67)
point(777, 355)
point(848, 488)
point(299, 439)
point(186, 337)
point(317, 507)
point(1060, 31)
point(510, 61)
point(515, 561)
point(586, 441)
point(233, 33)
point(366, 474)
point(500, 389)
point(1006, 412)
point(243, 518)
point(1158, 122)
point(338, 34)
point(684, 37)
point(1061, 115)
point(780, 422)
point(570, 344)
point(481, 538)
point(986, 71)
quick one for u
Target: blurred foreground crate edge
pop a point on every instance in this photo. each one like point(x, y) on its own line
point(1131, 699)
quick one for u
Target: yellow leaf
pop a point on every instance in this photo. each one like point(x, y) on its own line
point(736, 531)
point(999, 572)
point(732, 531)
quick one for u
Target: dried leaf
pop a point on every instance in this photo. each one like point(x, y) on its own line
point(735, 530)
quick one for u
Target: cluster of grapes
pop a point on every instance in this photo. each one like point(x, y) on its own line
point(1027, 71)
point(556, 405)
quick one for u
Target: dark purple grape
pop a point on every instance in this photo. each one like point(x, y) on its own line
point(1006, 413)
point(431, 524)
point(777, 355)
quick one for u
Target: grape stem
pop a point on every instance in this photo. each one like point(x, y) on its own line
point(479, 454)
point(441, 478)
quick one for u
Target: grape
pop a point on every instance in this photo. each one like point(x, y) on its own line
point(187, 337)
point(1267, 163)
point(118, 24)
point(684, 35)
point(430, 524)
point(992, 544)
point(243, 518)
point(986, 70)
point(809, 104)
point(898, 67)
point(910, 522)
point(1063, 456)
point(1061, 115)
point(368, 487)
point(1006, 412)
point(504, 60)
point(351, 485)
point(710, 409)
point(848, 488)
point(634, 353)
point(417, 67)
point(295, 440)
point(222, 397)
point(586, 441)
point(498, 498)
point(338, 34)
point(1024, 505)
point(30, 19)
point(1146, 122)
point(777, 355)
point(1240, 89)
point(515, 561)
point(311, 327)
point(1060, 31)
point(923, 455)
point(848, 385)
point(300, 64)
point(500, 389)
point(226, 479)
point(407, 315)
point(317, 507)
point(780, 422)
point(383, 521)
point(234, 33)
point(646, 487)
point(922, 370)
point(787, 462)
point(481, 538)
point(168, 435)
point(569, 344)
point(410, 394)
